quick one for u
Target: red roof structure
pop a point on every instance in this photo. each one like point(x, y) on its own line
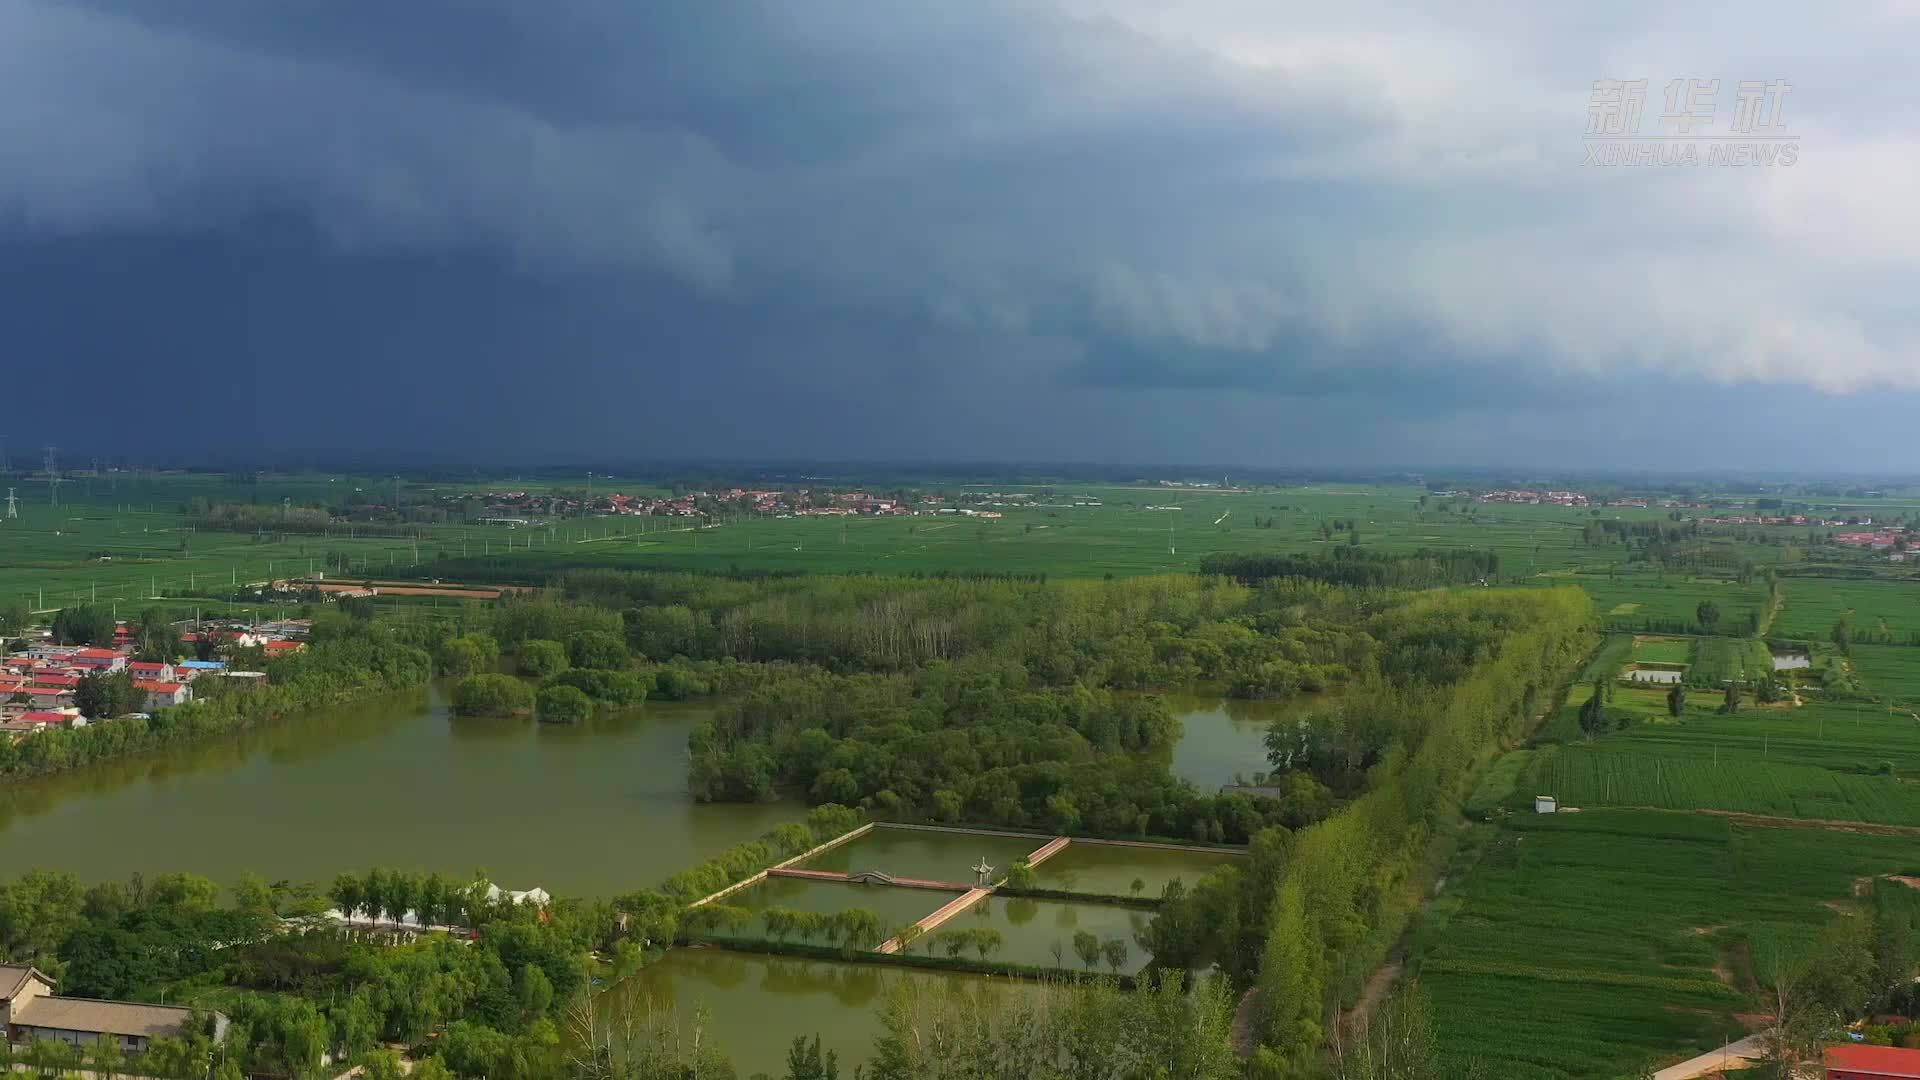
point(1858, 1061)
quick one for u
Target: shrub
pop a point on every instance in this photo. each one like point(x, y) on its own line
point(606, 687)
point(470, 654)
point(491, 695)
point(676, 683)
point(541, 658)
point(597, 649)
point(563, 705)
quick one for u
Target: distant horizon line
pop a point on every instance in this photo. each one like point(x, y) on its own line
point(76, 462)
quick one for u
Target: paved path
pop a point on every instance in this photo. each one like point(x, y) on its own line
point(1734, 1055)
point(868, 875)
point(1047, 851)
point(927, 925)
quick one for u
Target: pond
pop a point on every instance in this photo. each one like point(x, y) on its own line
point(1031, 929)
point(896, 906)
point(1227, 737)
point(757, 1005)
point(594, 809)
point(927, 855)
point(1111, 869)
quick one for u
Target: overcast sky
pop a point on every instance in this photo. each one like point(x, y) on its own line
point(1243, 231)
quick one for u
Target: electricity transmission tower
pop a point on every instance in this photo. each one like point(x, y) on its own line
point(53, 473)
point(13, 509)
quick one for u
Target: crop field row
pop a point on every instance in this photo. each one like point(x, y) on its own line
point(1872, 609)
point(1717, 661)
point(1847, 736)
point(1888, 671)
point(1588, 776)
point(1645, 602)
point(1653, 649)
point(1584, 945)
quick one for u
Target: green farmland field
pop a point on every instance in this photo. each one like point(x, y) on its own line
point(1662, 650)
point(1585, 777)
point(1824, 760)
point(1718, 661)
point(125, 538)
point(1878, 607)
point(1585, 945)
point(1643, 601)
point(1888, 671)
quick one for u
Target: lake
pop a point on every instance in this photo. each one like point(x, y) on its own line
point(594, 809)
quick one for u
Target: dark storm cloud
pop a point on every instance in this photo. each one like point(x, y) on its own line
point(1094, 208)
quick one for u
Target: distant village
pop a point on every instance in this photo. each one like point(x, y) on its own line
point(1895, 541)
point(40, 680)
point(521, 508)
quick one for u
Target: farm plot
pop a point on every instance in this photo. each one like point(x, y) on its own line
point(1874, 611)
point(1587, 945)
point(1854, 737)
point(1641, 776)
point(1888, 671)
point(1718, 661)
point(1662, 650)
point(1648, 605)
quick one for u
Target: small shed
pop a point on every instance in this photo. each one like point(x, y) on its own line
point(1545, 804)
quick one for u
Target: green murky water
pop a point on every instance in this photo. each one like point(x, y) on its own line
point(1226, 737)
point(929, 856)
point(1111, 869)
point(596, 809)
point(756, 1005)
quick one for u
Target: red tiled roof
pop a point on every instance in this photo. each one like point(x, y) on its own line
point(1876, 1062)
point(98, 654)
point(46, 717)
point(152, 686)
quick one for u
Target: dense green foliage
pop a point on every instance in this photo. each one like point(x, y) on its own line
point(562, 705)
point(1363, 567)
point(1314, 910)
point(542, 658)
point(296, 987)
point(468, 654)
point(491, 695)
point(84, 624)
